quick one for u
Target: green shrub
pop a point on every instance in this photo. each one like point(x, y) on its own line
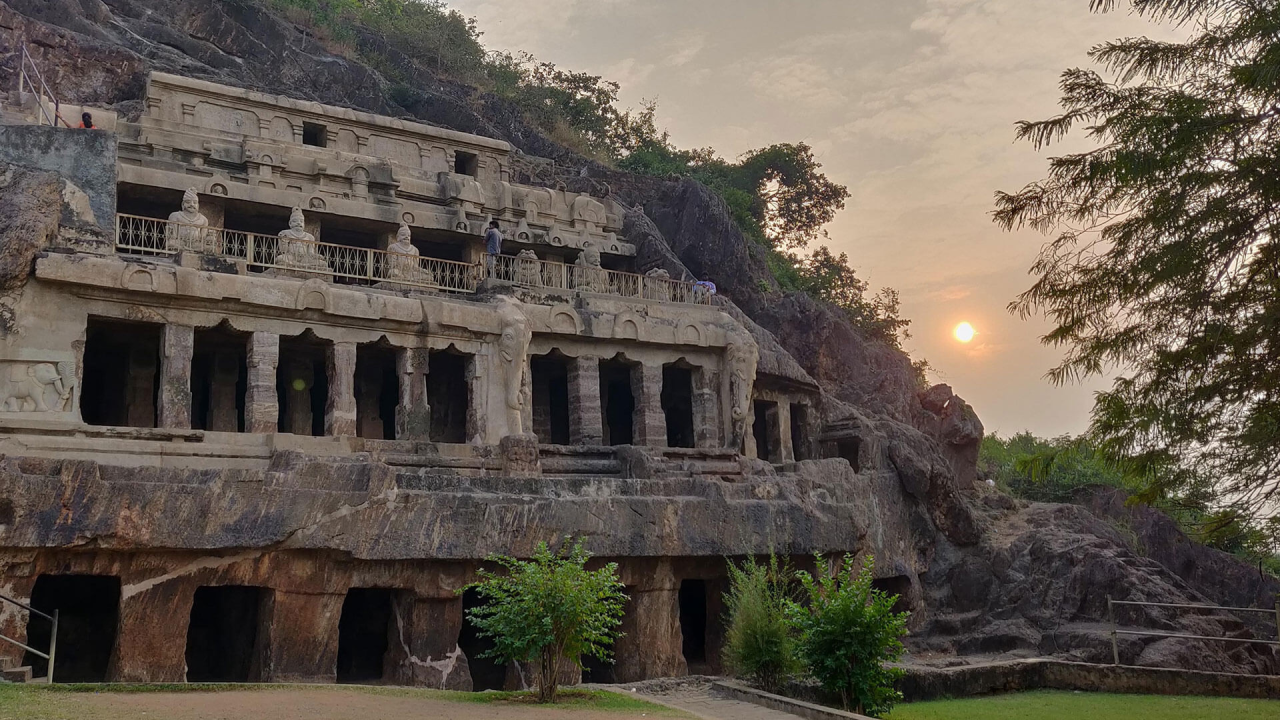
point(548, 609)
point(759, 644)
point(847, 633)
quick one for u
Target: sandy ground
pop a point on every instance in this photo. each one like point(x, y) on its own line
point(319, 704)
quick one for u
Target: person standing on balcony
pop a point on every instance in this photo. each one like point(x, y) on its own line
point(492, 245)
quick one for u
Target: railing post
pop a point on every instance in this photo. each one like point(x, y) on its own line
point(1278, 618)
point(1115, 647)
point(53, 645)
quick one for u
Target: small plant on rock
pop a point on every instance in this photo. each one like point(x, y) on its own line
point(848, 632)
point(759, 644)
point(549, 609)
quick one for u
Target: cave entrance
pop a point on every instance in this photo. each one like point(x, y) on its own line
point(800, 431)
point(448, 394)
point(223, 640)
point(121, 372)
point(550, 379)
point(377, 389)
point(767, 434)
point(693, 622)
point(849, 449)
point(618, 401)
point(899, 585)
point(219, 379)
point(302, 384)
point(88, 612)
point(364, 634)
point(677, 403)
point(486, 673)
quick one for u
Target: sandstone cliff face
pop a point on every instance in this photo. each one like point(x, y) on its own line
point(984, 575)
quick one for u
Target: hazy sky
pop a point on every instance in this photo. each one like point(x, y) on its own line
point(910, 103)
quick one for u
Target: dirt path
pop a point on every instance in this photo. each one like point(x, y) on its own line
point(299, 704)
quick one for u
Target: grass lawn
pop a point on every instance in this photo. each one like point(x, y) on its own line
point(196, 701)
point(1089, 706)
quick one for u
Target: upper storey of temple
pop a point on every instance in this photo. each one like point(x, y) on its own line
point(266, 154)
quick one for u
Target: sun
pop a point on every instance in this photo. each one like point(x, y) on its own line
point(964, 332)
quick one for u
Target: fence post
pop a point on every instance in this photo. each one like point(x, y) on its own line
point(1111, 617)
point(53, 644)
point(1278, 617)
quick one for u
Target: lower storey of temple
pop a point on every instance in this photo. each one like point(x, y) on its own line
point(307, 616)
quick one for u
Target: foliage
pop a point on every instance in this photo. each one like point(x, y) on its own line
point(549, 609)
point(847, 633)
point(758, 641)
point(1056, 470)
point(1165, 268)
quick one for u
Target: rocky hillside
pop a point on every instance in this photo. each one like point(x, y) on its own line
point(1002, 577)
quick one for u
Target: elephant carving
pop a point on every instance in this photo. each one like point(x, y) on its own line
point(38, 387)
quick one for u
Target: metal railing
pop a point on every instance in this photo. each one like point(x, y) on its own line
point(534, 272)
point(1116, 631)
point(138, 235)
point(53, 634)
point(337, 263)
point(30, 80)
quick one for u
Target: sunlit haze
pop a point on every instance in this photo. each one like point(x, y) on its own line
point(910, 103)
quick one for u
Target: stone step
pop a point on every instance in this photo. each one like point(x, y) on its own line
point(8, 663)
point(580, 466)
point(17, 675)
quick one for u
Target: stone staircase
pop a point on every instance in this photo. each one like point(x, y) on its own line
point(10, 671)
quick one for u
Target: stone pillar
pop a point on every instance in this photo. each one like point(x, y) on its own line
point(650, 421)
point(261, 406)
point(302, 637)
point(223, 416)
point(424, 648)
point(340, 406)
point(177, 344)
point(413, 413)
point(706, 409)
point(784, 431)
point(651, 645)
point(586, 419)
point(151, 634)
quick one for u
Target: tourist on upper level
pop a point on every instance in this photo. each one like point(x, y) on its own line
point(492, 244)
point(86, 122)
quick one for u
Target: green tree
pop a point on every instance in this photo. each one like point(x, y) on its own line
point(1165, 267)
point(848, 633)
point(759, 643)
point(549, 609)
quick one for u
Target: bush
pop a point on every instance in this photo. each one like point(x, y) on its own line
point(548, 609)
point(759, 644)
point(847, 633)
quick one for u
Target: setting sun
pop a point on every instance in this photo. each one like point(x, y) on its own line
point(964, 332)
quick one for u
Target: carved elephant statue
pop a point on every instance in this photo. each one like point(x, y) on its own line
point(27, 386)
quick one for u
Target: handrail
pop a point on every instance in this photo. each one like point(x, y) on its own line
point(139, 235)
point(1116, 631)
point(53, 634)
point(24, 81)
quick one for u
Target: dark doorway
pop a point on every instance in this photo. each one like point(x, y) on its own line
point(849, 448)
point(448, 393)
point(550, 380)
point(219, 379)
point(598, 671)
point(693, 620)
point(800, 431)
point(465, 163)
point(618, 401)
point(315, 134)
point(899, 585)
point(88, 611)
point(364, 632)
point(302, 385)
point(377, 391)
point(486, 673)
point(222, 639)
point(121, 372)
point(766, 431)
point(677, 404)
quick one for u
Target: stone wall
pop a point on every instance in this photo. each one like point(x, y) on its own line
point(84, 159)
